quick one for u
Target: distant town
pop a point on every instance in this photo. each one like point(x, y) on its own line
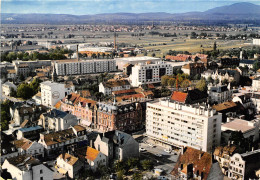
point(130, 102)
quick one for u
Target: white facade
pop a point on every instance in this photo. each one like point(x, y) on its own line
point(85, 67)
point(70, 164)
point(6, 88)
point(256, 84)
point(180, 125)
point(145, 73)
point(256, 42)
point(52, 92)
point(33, 148)
point(219, 94)
point(120, 62)
point(36, 172)
point(108, 90)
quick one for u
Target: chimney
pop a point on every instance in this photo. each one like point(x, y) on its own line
point(253, 148)
point(77, 52)
point(200, 154)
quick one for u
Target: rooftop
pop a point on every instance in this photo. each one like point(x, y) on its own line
point(30, 129)
point(224, 106)
point(137, 58)
point(238, 125)
point(68, 158)
point(88, 153)
point(22, 161)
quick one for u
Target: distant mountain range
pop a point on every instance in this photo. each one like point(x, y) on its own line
point(236, 13)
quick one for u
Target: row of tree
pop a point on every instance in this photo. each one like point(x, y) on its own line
point(53, 54)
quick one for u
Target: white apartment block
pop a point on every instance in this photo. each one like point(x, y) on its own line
point(256, 42)
point(145, 73)
point(179, 125)
point(52, 92)
point(85, 67)
point(108, 87)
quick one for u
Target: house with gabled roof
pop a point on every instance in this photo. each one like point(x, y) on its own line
point(67, 163)
point(92, 157)
point(64, 140)
point(113, 85)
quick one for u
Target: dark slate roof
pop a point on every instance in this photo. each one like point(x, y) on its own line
point(60, 114)
point(218, 89)
point(117, 137)
point(246, 61)
point(30, 129)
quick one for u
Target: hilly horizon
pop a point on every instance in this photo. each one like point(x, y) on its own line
point(237, 12)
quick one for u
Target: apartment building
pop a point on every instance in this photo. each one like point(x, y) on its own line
point(85, 67)
point(146, 73)
point(173, 124)
point(52, 92)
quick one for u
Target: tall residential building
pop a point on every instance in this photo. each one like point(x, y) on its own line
point(146, 73)
point(85, 67)
point(52, 92)
point(174, 124)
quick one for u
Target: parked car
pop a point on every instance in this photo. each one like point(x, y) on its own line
point(158, 155)
point(167, 150)
point(142, 149)
point(151, 145)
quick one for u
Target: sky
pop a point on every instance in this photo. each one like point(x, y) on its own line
point(84, 7)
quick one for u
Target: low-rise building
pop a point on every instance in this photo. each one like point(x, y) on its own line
point(229, 62)
point(113, 85)
point(256, 83)
point(24, 167)
point(8, 87)
point(249, 129)
point(62, 141)
point(31, 133)
point(38, 98)
point(117, 145)
point(93, 157)
point(193, 69)
point(121, 62)
point(67, 163)
point(196, 164)
point(26, 146)
point(8, 149)
point(82, 108)
point(122, 116)
point(222, 74)
point(52, 92)
point(56, 120)
point(219, 94)
point(243, 166)
point(174, 124)
point(223, 154)
point(146, 73)
point(246, 62)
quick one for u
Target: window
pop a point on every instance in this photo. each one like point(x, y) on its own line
point(41, 171)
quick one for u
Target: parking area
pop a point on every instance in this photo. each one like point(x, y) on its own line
point(161, 159)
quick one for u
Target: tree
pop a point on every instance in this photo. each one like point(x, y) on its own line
point(225, 81)
point(13, 92)
point(216, 81)
point(35, 85)
point(256, 65)
point(171, 82)
point(193, 35)
point(215, 46)
point(5, 114)
point(147, 164)
point(210, 80)
point(153, 55)
point(120, 175)
point(185, 83)
point(137, 176)
point(164, 80)
point(145, 53)
point(21, 77)
point(201, 85)
point(24, 91)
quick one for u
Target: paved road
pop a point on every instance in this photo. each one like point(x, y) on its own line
point(11, 98)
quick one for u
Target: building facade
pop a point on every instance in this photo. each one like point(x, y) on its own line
point(52, 92)
point(108, 87)
point(146, 73)
point(85, 67)
point(219, 94)
point(174, 124)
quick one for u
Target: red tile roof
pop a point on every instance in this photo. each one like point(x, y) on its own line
point(179, 96)
point(191, 156)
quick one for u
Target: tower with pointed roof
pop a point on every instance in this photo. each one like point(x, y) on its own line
point(54, 74)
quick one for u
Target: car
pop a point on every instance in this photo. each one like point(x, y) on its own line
point(151, 145)
point(162, 178)
point(158, 155)
point(167, 150)
point(142, 149)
